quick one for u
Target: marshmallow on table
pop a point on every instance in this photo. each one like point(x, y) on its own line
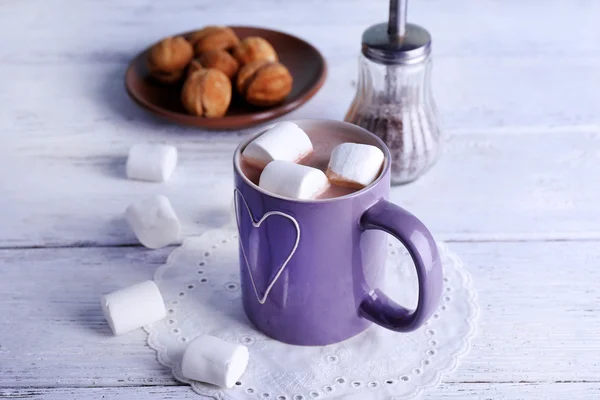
point(151, 162)
point(354, 165)
point(285, 141)
point(153, 221)
point(133, 307)
point(212, 360)
point(289, 179)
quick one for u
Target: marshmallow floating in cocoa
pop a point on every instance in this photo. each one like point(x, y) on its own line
point(213, 360)
point(151, 162)
point(289, 179)
point(285, 141)
point(133, 307)
point(153, 221)
point(354, 165)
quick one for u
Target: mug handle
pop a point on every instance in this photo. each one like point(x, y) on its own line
point(413, 234)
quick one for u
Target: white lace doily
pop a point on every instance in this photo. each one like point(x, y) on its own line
point(200, 285)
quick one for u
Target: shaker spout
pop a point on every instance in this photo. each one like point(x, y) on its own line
point(393, 96)
point(397, 18)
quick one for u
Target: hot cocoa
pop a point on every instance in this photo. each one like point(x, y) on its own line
point(323, 144)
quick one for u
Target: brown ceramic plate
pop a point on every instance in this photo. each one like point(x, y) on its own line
point(304, 62)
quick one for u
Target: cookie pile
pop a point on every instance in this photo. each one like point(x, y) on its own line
point(212, 61)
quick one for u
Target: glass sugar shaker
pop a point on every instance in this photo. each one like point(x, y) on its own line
point(394, 99)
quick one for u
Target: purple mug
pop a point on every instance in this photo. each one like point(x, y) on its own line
point(310, 269)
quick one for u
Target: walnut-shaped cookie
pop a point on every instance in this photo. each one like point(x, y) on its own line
point(213, 38)
point(168, 58)
point(264, 83)
point(195, 65)
point(218, 59)
point(254, 48)
point(207, 93)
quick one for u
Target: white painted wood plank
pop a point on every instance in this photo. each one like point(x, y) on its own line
point(484, 75)
point(71, 98)
point(71, 190)
point(463, 27)
point(65, 118)
point(450, 391)
point(539, 320)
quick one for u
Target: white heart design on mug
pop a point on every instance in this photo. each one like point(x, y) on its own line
point(257, 224)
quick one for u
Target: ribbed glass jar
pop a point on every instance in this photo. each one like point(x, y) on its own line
point(395, 102)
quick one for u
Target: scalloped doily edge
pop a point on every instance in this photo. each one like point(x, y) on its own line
point(434, 381)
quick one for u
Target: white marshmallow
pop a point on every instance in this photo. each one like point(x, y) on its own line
point(133, 307)
point(151, 162)
point(354, 165)
point(212, 360)
point(285, 141)
point(153, 221)
point(288, 179)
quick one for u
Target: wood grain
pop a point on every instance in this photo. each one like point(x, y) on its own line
point(522, 133)
point(539, 320)
point(518, 88)
point(499, 186)
point(486, 74)
point(446, 391)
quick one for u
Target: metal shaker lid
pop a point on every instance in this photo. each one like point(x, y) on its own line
point(396, 42)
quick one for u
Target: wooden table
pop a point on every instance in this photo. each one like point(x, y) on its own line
point(516, 193)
